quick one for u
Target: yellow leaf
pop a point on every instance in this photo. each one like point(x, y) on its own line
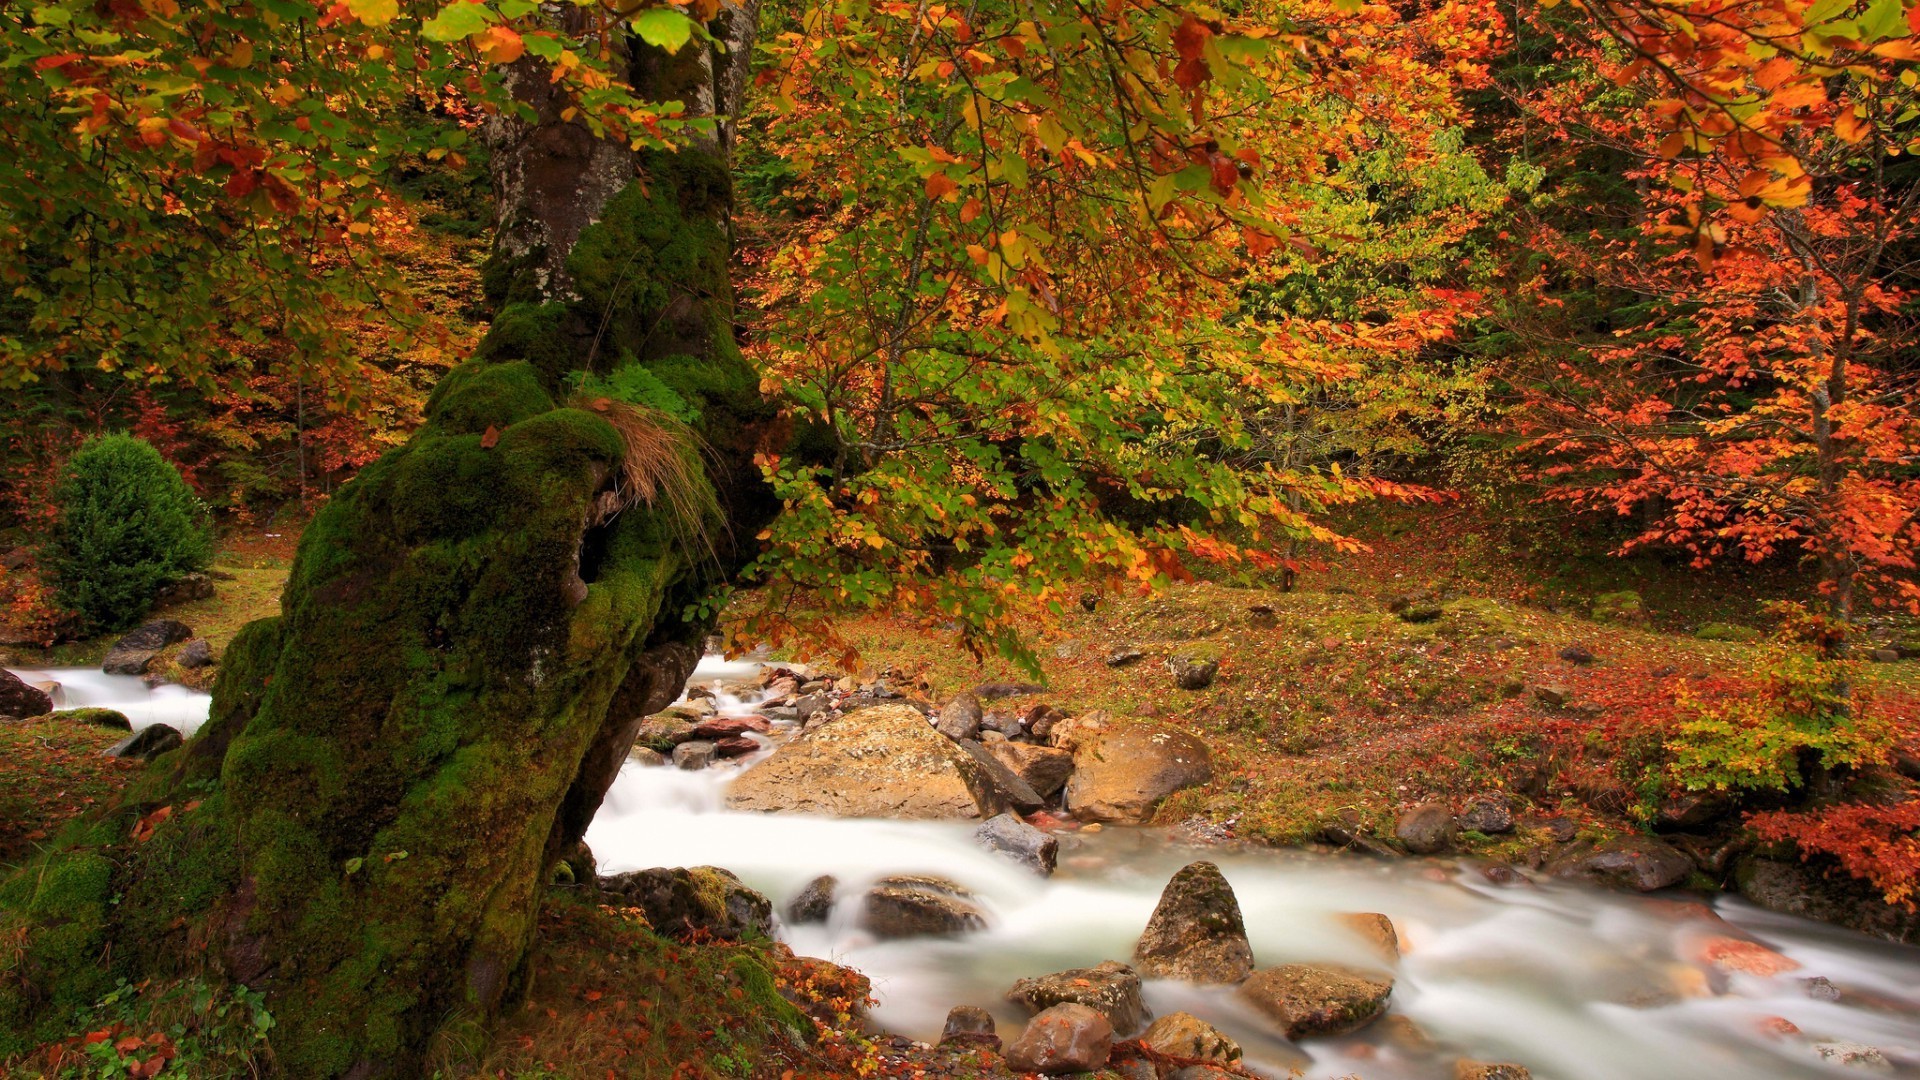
point(374, 12)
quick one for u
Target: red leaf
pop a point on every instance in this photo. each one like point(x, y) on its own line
point(1190, 38)
point(1191, 73)
point(492, 437)
point(54, 61)
point(939, 186)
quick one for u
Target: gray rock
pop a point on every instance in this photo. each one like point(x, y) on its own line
point(1019, 841)
point(147, 743)
point(815, 902)
point(1577, 654)
point(1629, 862)
point(1063, 1039)
point(132, 653)
point(1110, 989)
point(960, 718)
point(1306, 1000)
point(681, 900)
point(1427, 829)
point(970, 1024)
point(1044, 768)
point(1488, 815)
point(695, 755)
point(1190, 674)
point(184, 590)
point(1691, 810)
point(1794, 888)
point(1886, 656)
point(1124, 655)
point(916, 905)
point(1196, 933)
point(196, 654)
point(19, 700)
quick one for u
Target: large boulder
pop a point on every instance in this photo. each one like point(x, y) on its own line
point(1009, 789)
point(1019, 841)
point(1110, 989)
point(1063, 1039)
point(1427, 829)
point(960, 718)
point(1306, 1000)
point(683, 900)
point(916, 905)
point(19, 699)
point(1044, 768)
point(1121, 773)
point(882, 761)
point(147, 743)
point(1184, 1035)
point(1196, 933)
point(132, 653)
point(1640, 863)
point(1811, 892)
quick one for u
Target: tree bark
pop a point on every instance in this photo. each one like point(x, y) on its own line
point(472, 630)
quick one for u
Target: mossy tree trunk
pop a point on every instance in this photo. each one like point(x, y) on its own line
point(470, 636)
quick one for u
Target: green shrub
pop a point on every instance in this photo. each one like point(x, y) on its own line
point(129, 525)
point(1809, 711)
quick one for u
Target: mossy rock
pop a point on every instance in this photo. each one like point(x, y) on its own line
point(1619, 607)
point(1728, 632)
point(104, 718)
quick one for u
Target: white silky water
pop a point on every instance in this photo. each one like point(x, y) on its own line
point(89, 688)
point(1574, 983)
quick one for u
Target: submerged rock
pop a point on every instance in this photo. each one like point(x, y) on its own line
point(1063, 1039)
point(1306, 1000)
point(1184, 1035)
point(133, 652)
point(1110, 989)
point(680, 900)
point(969, 1024)
point(1019, 841)
point(1122, 773)
point(1377, 930)
point(913, 905)
point(815, 902)
point(147, 743)
point(882, 761)
point(1629, 862)
point(20, 700)
point(1196, 932)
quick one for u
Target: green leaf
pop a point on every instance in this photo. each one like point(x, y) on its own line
point(457, 20)
point(663, 27)
point(354, 865)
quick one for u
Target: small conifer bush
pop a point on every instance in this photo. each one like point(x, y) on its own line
point(129, 525)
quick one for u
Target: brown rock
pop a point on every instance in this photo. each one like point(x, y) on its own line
point(1306, 1000)
point(1112, 990)
point(914, 905)
point(1751, 957)
point(1044, 768)
point(1489, 1070)
point(960, 718)
point(1122, 774)
point(1184, 1035)
point(1632, 862)
point(882, 761)
point(730, 727)
point(1196, 932)
point(1378, 931)
point(1427, 829)
point(969, 1024)
point(18, 700)
point(1063, 1039)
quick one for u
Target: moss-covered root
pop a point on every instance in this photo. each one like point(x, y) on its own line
point(362, 829)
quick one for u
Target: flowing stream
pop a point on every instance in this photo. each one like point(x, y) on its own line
point(1574, 983)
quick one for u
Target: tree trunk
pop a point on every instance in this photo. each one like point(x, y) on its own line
point(473, 628)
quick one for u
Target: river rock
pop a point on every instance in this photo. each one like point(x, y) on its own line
point(195, 654)
point(1307, 1000)
point(970, 1025)
point(642, 755)
point(1044, 768)
point(1110, 989)
point(1196, 932)
point(103, 718)
point(881, 761)
point(1009, 789)
point(1854, 1055)
point(1377, 930)
point(1019, 841)
point(132, 653)
point(1184, 1035)
point(737, 746)
point(1427, 829)
point(1121, 773)
point(663, 732)
point(693, 756)
point(1628, 862)
point(915, 905)
point(815, 902)
point(147, 743)
point(1192, 674)
point(1063, 1039)
point(681, 900)
point(1489, 1070)
point(730, 727)
point(1794, 888)
point(1488, 815)
point(1737, 954)
point(19, 700)
point(960, 718)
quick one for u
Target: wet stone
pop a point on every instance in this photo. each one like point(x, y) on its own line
point(1196, 932)
point(1063, 1039)
point(693, 756)
point(1110, 988)
point(1306, 1000)
point(1184, 1035)
point(815, 902)
point(912, 905)
point(969, 1024)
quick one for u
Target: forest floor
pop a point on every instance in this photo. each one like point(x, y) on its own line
point(1326, 702)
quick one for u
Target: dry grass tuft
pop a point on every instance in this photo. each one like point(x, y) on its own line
point(661, 469)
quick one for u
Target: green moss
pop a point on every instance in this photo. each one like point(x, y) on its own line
point(764, 997)
point(476, 396)
point(106, 718)
point(1619, 607)
point(1728, 632)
